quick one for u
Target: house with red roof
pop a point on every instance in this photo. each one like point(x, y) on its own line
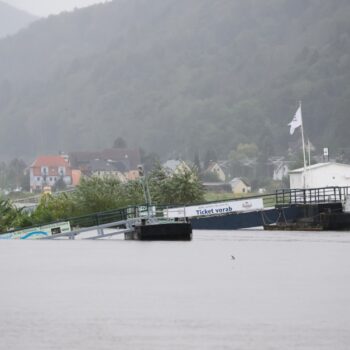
point(47, 170)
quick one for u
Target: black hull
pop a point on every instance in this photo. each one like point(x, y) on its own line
point(236, 221)
point(173, 231)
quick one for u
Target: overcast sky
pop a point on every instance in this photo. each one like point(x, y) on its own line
point(47, 7)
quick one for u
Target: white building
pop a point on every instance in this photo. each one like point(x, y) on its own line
point(215, 168)
point(240, 186)
point(280, 171)
point(321, 175)
point(47, 170)
point(176, 166)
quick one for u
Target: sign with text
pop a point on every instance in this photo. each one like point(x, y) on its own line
point(39, 232)
point(239, 206)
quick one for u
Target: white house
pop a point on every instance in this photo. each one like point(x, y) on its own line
point(216, 169)
point(240, 185)
point(47, 170)
point(321, 175)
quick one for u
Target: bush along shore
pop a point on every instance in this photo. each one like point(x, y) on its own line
point(101, 194)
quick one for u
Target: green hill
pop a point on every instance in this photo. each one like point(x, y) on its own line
point(178, 76)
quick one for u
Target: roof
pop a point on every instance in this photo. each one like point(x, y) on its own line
point(238, 179)
point(212, 165)
point(130, 156)
point(216, 184)
point(49, 161)
point(316, 166)
point(103, 165)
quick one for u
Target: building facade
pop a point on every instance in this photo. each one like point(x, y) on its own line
point(321, 175)
point(47, 170)
point(215, 168)
point(240, 186)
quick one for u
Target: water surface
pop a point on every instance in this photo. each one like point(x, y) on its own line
point(282, 290)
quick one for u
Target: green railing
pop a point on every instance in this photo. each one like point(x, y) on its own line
point(280, 197)
point(132, 212)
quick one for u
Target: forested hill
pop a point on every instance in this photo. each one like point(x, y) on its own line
point(12, 19)
point(178, 75)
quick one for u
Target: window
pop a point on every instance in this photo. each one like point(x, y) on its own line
point(38, 178)
point(61, 171)
point(44, 170)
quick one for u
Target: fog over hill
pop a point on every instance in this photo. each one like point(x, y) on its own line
point(12, 19)
point(178, 76)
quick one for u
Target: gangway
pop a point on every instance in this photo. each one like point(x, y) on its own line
point(122, 227)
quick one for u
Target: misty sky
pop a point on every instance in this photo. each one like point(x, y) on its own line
point(47, 7)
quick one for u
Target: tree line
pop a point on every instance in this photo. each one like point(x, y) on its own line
point(95, 194)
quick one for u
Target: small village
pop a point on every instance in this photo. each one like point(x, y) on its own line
point(220, 178)
point(63, 171)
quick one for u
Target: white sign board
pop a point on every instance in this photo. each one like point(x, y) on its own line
point(240, 206)
point(39, 232)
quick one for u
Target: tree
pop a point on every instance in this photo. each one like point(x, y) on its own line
point(25, 184)
point(243, 152)
point(183, 187)
point(197, 162)
point(9, 215)
point(244, 159)
point(53, 208)
point(60, 185)
point(149, 160)
point(119, 142)
point(210, 156)
point(100, 194)
point(15, 172)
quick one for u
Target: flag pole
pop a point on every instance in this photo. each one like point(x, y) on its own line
point(304, 153)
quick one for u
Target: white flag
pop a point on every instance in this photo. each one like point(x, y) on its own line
point(296, 122)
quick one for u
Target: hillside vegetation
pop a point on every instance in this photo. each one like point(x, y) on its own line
point(178, 76)
point(12, 19)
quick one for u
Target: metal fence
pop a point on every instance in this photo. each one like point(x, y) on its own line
point(312, 195)
point(280, 197)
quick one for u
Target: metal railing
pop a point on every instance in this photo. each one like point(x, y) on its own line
point(36, 198)
point(280, 197)
point(312, 195)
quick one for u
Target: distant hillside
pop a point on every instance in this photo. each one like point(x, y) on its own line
point(12, 19)
point(178, 76)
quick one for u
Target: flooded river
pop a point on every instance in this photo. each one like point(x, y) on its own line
point(224, 290)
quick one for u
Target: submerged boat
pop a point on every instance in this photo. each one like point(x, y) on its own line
point(161, 231)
